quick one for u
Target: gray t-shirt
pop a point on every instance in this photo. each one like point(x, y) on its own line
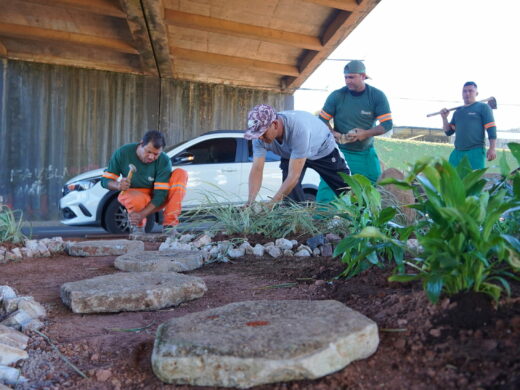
point(305, 136)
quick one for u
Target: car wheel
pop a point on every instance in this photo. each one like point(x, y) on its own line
point(309, 196)
point(116, 219)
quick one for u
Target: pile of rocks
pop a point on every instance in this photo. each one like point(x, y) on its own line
point(16, 314)
point(320, 245)
point(45, 247)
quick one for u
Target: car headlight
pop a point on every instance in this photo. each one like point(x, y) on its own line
point(81, 185)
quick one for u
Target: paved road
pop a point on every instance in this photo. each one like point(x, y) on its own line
point(52, 229)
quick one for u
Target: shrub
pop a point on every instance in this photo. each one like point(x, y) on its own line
point(10, 226)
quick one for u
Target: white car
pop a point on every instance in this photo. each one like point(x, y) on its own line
point(218, 165)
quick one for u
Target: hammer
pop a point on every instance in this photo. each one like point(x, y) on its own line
point(131, 171)
point(491, 101)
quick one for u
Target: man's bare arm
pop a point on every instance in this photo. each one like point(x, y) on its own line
point(255, 178)
point(295, 169)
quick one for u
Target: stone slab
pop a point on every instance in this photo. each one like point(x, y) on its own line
point(250, 343)
point(160, 261)
point(10, 354)
point(12, 337)
point(128, 291)
point(103, 247)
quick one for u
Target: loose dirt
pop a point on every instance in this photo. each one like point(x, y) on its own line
point(462, 343)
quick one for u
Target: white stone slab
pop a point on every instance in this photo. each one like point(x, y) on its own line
point(129, 291)
point(250, 343)
point(160, 261)
point(103, 247)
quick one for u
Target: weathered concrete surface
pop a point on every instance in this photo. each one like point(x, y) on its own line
point(245, 344)
point(160, 261)
point(103, 247)
point(127, 291)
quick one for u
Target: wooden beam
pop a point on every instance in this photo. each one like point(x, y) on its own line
point(74, 62)
point(335, 32)
point(238, 62)
point(137, 25)
point(38, 33)
point(3, 50)
point(205, 23)
point(154, 14)
point(100, 7)
point(344, 5)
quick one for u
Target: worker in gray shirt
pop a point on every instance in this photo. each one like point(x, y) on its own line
point(302, 141)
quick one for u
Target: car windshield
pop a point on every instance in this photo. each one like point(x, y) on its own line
point(168, 148)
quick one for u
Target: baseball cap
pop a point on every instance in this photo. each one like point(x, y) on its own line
point(258, 120)
point(355, 66)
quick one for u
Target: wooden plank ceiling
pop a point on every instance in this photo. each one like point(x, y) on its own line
point(266, 44)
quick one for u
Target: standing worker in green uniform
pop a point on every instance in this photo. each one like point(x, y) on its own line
point(360, 112)
point(469, 123)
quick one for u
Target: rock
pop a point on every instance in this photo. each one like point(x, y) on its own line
point(414, 246)
point(326, 250)
point(149, 237)
point(279, 341)
point(316, 252)
point(201, 240)
point(103, 375)
point(160, 261)
point(10, 354)
point(274, 251)
point(224, 246)
point(236, 253)
point(6, 292)
point(303, 251)
point(17, 319)
point(55, 244)
point(27, 304)
point(398, 196)
point(32, 325)
point(288, 253)
point(185, 238)
point(175, 246)
point(12, 337)
point(332, 238)
point(103, 247)
point(16, 254)
point(31, 244)
point(3, 259)
point(28, 253)
point(247, 248)
point(268, 244)
point(11, 376)
point(283, 243)
point(315, 241)
point(131, 291)
point(258, 250)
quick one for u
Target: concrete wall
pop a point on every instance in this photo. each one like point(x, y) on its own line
point(56, 122)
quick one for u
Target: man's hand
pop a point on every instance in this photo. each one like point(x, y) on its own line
point(491, 154)
point(357, 135)
point(124, 184)
point(444, 113)
point(135, 218)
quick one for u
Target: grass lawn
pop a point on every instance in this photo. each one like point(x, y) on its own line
point(398, 153)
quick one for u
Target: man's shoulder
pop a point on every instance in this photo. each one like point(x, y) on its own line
point(128, 147)
point(340, 92)
point(375, 91)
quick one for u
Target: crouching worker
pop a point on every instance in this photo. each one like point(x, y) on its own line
point(152, 186)
point(302, 141)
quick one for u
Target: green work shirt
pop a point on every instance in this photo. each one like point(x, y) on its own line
point(352, 110)
point(469, 124)
point(155, 175)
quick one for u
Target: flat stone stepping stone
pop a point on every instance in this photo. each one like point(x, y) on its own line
point(160, 261)
point(245, 344)
point(103, 247)
point(127, 291)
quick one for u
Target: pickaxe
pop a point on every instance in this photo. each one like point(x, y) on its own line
point(491, 101)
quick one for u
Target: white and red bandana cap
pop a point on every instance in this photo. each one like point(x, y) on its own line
point(258, 120)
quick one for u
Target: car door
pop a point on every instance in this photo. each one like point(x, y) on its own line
point(213, 171)
point(272, 177)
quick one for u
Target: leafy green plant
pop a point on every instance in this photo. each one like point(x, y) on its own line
point(370, 240)
point(10, 226)
point(462, 250)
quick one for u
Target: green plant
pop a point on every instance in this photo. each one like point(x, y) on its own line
point(462, 250)
point(280, 221)
point(10, 226)
point(371, 240)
